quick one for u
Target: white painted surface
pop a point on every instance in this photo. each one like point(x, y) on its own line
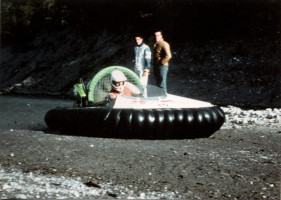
point(171, 101)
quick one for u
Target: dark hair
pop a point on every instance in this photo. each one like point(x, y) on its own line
point(139, 35)
point(158, 30)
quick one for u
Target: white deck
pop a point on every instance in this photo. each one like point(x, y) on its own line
point(171, 101)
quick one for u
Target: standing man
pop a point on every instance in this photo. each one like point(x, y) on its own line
point(161, 56)
point(142, 61)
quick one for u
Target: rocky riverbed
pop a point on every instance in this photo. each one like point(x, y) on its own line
point(242, 160)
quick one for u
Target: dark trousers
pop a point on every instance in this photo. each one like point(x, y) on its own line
point(160, 74)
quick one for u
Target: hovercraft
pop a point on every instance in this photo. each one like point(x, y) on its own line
point(156, 116)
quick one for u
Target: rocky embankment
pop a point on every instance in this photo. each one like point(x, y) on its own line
point(227, 53)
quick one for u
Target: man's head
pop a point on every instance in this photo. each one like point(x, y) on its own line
point(139, 39)
point(158, 34)
point(117, 80)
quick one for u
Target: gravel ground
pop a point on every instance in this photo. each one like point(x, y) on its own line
point(242, 160)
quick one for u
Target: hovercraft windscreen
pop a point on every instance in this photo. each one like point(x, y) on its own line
point(99, 86)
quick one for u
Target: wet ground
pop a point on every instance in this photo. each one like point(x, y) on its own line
point(233, 163)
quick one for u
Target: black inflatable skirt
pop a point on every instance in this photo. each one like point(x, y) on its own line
point(159, 123)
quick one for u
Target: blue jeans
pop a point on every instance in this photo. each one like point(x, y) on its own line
point(160, 73)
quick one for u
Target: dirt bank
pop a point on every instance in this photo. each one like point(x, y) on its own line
point(225, 53)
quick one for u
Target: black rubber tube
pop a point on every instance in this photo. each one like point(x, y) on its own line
point(137, 123)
